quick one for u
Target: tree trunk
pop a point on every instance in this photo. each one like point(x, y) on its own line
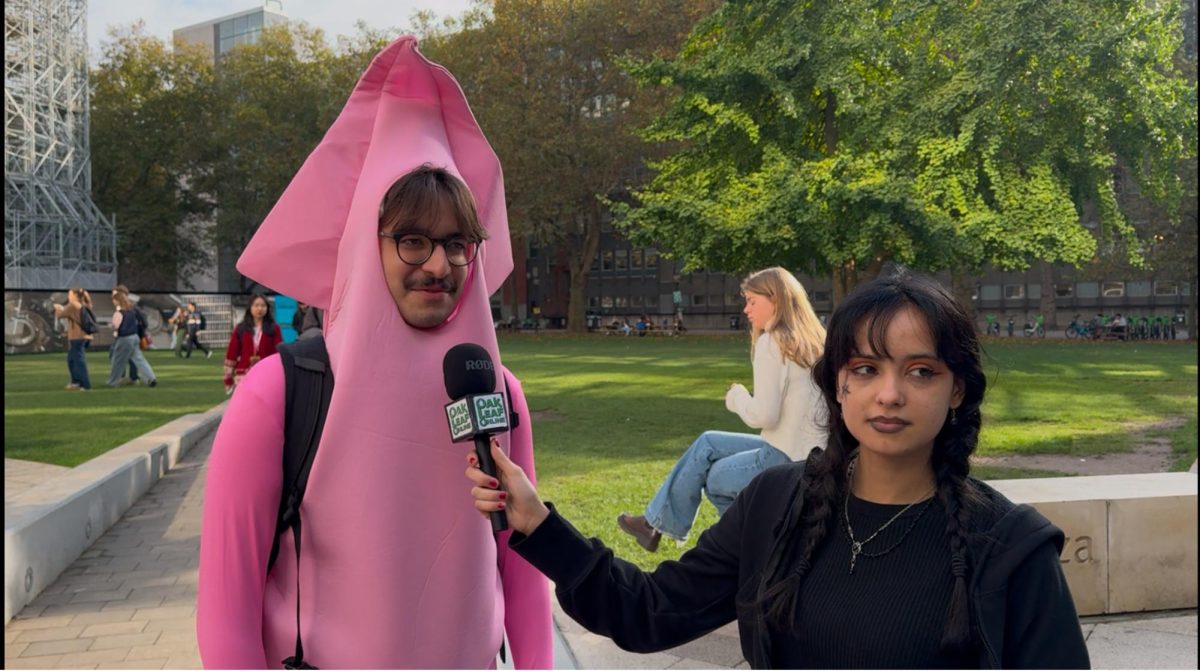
point(1191, 309)
point(830, 124)
point(518, 278)
point(842, 282)
point(962, 287)
point(581, 263)
point(516, 299)
point(849, 275)
point(1046, 305)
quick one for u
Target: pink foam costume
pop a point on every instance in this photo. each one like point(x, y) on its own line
point(397, 569)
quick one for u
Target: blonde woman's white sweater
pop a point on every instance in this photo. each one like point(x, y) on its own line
point(786, 404)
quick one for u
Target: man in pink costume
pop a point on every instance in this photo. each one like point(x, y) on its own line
point(397, 570)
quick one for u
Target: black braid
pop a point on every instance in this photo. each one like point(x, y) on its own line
point(956, 635)
point(959, 497)
point(823, 483)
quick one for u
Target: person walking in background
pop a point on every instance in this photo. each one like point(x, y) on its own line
point(878, 552)
point(785, 341)
point(309, 322)
point(195, 324)
point(133, 374)
point(178, 322)
point(298, 317)
point(126, 346)
point(254, 339)
point(81, 325)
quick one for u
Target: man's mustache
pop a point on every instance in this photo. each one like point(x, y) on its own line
point(446, 284)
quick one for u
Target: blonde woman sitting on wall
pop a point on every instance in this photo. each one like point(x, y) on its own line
point(786, 339)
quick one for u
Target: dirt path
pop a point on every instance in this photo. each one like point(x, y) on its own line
point(1152, 456)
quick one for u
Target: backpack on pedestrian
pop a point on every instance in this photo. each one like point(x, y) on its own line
point(143, 335)
point(87, 321)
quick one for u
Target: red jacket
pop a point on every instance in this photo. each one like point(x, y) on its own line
point(241, 353)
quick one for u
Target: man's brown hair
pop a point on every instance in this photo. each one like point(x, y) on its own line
point(419, 198)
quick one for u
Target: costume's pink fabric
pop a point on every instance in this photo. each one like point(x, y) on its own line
point(398, 569)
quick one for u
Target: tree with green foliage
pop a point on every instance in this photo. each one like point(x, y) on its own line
point(835, 137)
point(148, 110)
point(188, 154)
point(272, 105)
point(543, 80)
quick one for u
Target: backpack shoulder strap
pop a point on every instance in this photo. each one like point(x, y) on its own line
point(514, 419)
point(308, 387)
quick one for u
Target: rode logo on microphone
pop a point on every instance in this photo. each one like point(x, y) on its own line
point(479, 364)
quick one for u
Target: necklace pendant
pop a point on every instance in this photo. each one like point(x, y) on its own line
point(855, 550)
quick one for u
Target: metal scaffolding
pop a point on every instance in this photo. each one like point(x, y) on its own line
point(54, 235)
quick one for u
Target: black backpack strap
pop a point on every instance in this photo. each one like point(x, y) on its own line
point(514, 419)
point(308, 387)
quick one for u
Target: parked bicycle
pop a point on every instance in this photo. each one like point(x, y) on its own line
point(993, 326)
point(1078, 329)
point(1036, 327)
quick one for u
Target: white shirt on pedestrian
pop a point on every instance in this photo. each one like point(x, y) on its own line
point(786, 404)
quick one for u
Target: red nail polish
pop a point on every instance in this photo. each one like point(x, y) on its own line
point(503, 495)
point(501, 506)
point(493, 483)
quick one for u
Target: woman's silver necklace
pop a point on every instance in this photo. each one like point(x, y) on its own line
point(856, 546)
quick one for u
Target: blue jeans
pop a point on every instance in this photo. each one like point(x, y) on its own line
point(720, 464)
point(124, 351)
point(77, 363)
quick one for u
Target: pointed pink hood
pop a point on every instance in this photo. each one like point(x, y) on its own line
point(388, 518)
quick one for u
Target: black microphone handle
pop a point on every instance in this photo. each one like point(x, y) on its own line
point(483, 451)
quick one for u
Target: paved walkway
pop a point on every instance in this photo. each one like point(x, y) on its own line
point(1155, 641)
point(129, 603)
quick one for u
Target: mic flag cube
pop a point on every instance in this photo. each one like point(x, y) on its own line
point(476, 414)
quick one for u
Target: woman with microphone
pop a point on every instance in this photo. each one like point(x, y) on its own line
point(879, 551)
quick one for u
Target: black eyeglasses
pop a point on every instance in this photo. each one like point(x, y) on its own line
point(416, 248)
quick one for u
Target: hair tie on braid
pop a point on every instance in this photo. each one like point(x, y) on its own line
point(958, 565)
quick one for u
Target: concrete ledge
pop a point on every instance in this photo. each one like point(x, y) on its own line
point(1131, 539)
point(47, 527)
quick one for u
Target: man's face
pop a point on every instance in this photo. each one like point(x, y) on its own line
point(425, 294)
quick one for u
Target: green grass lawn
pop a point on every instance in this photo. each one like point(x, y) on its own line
point(612, 414)
point(44, 422)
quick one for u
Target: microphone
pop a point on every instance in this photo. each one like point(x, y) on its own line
point(475, 411)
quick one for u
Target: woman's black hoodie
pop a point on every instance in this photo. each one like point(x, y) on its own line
point(1021, 608)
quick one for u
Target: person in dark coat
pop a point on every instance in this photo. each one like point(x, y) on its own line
point(879, 551)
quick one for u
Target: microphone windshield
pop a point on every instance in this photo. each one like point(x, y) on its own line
point(468, 369)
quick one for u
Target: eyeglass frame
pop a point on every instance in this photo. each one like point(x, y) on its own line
point(434, 244)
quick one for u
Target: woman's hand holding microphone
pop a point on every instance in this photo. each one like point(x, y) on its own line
point(510, 491)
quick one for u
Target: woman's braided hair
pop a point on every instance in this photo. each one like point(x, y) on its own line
point(872, 307)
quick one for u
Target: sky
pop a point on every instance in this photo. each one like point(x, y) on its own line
point(336, 17)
